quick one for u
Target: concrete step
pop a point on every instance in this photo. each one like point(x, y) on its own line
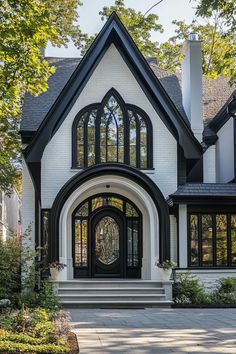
point(113, 297)
point(113, 290)
point(116, 304)
point(109, 283)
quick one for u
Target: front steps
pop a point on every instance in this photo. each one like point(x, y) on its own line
point(114, 293)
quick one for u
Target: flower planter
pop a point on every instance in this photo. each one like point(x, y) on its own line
point(54, 274)
point(165, 274)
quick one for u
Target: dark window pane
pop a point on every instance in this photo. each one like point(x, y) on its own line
point(130, 210)
point(45, 232)
point(132, 243)
point(83, 210)
point(91, 127)
point(143, 156)
point(194, 243)
point(132, 138)
point(91, 155)
point(129, 242)
point(233, 240)
point(97, 203)
point(111, 153)
point(221, 240)
point(107, 240)
point(81, 242)
point(80, 155)
point(207, 247)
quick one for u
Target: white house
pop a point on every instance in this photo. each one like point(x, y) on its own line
point(126, 164)
point(10, 215)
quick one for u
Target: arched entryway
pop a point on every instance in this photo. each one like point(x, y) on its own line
point(129, 183)
point(107, 237)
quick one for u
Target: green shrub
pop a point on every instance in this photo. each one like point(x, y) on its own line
point(188, 286)
point(227, 285)
point(9, 347)
point(48, 299)
point(10, 265)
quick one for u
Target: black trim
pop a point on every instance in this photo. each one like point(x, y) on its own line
point(200, 199)
point(117, 170)
point(126, 136)
point(222, 116)
point(212, 212)
point(114, 32)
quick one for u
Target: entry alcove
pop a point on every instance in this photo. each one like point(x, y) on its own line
point(107, 237)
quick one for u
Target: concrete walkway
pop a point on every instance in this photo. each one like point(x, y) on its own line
point(153, 330)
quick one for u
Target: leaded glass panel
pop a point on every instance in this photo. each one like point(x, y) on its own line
point(107, 240)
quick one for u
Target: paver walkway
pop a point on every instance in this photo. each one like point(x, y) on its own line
point(155, 330)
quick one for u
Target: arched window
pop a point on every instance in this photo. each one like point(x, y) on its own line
point(112, 131)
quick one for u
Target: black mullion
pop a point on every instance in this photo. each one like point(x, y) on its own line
point(214, 239)
point(200, 238)
point(132, 242)
point(97, 135)
point(138, 141)
point(126, 136)
point(85, 130)
point(229, 240)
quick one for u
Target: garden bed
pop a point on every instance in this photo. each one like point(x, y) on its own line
point(203, 306)
point(73, 343)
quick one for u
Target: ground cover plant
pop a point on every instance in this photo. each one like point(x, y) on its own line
point(187, 290)
point(30, 317)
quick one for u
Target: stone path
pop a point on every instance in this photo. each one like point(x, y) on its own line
point(155, 330)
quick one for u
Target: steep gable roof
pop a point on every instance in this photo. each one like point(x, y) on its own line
point(114, 32)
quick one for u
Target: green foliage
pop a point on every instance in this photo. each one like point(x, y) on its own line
point(227, 285)
point(26, 27)
point(9, 347)
point(48, 298)
point(10, 263)
point(218, 50)
point(188, 286)
point(139, 26)
point(226, 10)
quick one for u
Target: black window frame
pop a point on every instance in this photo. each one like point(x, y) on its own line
point(213, 212)
point(85, 271)
point(124, 108)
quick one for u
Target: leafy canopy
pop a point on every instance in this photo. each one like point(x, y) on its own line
point(218, 50)
point(26, 26)
point(139, 26)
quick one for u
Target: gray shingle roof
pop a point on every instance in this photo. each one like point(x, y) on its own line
point(206, 189)
point(215, 92)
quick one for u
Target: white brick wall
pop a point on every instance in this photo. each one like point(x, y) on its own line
point(225, 153)
point(173, 239)
point(28, 201)
point(112, 71)
point(209, 165)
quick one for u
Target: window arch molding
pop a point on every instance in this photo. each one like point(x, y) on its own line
point(112, 132)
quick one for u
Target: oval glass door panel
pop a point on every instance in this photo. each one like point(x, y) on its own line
point(107, 236)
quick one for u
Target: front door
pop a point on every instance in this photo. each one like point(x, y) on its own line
point(107, 244)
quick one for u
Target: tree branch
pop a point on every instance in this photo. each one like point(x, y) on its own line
point(152, 7)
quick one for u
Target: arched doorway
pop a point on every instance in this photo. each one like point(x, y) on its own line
point(107, 237)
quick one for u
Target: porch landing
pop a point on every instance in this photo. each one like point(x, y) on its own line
point(114, 293)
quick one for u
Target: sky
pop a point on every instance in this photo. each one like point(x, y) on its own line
point(91, 23)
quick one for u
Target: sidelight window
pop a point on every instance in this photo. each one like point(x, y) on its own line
point(212, 239)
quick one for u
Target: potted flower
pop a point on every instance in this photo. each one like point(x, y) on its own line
point(55, 268)
point(165, 269)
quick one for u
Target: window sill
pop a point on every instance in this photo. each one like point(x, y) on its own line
point(144, 170)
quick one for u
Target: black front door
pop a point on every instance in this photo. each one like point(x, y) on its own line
point(107, 243)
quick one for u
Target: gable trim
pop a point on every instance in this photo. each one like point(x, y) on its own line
point(114, 32)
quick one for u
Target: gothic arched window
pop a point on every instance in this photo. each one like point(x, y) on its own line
point(112, 131)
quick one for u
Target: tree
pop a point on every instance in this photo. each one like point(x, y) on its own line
point(218, 50)
point(139, 26)
point(26, 26)
point(226, 10)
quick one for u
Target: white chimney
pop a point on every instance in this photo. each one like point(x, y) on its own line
point(192, 84)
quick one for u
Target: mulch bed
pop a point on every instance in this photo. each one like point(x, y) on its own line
point(73, 343)
point(203, 306)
